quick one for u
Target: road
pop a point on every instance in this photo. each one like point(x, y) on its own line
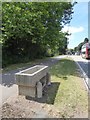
point(85, 66)
point(8, 86)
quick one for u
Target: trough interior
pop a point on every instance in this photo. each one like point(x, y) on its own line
point(33, 70)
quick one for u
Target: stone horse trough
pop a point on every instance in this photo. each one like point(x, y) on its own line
point(32, 81)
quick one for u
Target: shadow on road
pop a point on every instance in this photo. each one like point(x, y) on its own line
point(8, 79)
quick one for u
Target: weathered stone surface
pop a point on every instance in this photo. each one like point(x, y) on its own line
point(31, 80)
point(48, 79)
point(39, 90)
point(43, 81)
point(27, 90)
point(25, 78)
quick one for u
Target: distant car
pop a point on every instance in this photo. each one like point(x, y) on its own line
point(69, 53)
point(77, 53)
point(73, 53)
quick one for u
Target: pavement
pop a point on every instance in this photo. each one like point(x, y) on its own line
point(8, 85)
point(84, 66)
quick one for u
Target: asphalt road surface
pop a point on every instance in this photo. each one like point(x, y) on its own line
point(85, 65)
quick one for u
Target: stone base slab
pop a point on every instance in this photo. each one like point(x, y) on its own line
point(27, 91)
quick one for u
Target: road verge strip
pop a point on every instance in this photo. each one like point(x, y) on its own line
point(84, 75)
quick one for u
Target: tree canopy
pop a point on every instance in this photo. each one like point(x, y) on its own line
point(79, 47)
point(29, 29)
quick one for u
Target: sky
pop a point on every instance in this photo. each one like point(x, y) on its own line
point(79, 24)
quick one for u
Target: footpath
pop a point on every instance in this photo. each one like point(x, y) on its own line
point(84, 66)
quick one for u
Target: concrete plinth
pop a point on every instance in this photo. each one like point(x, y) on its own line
point(31, 81)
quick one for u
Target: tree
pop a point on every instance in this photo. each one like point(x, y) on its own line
point(75, 49)
point(28, 28)
point(86, 40)
point(79, 47)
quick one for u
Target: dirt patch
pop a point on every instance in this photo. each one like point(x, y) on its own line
point(20, 107)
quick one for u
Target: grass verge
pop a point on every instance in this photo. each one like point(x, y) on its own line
point(68, 92)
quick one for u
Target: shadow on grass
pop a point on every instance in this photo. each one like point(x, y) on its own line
point(49, 94)
point(65, 68)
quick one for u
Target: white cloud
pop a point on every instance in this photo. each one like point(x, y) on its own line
point(71, 37)
point(82, 0)
point(73, 29)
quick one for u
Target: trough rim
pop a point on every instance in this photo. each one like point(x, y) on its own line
point(25, 74)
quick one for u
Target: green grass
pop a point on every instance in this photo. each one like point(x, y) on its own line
point(67, 92)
